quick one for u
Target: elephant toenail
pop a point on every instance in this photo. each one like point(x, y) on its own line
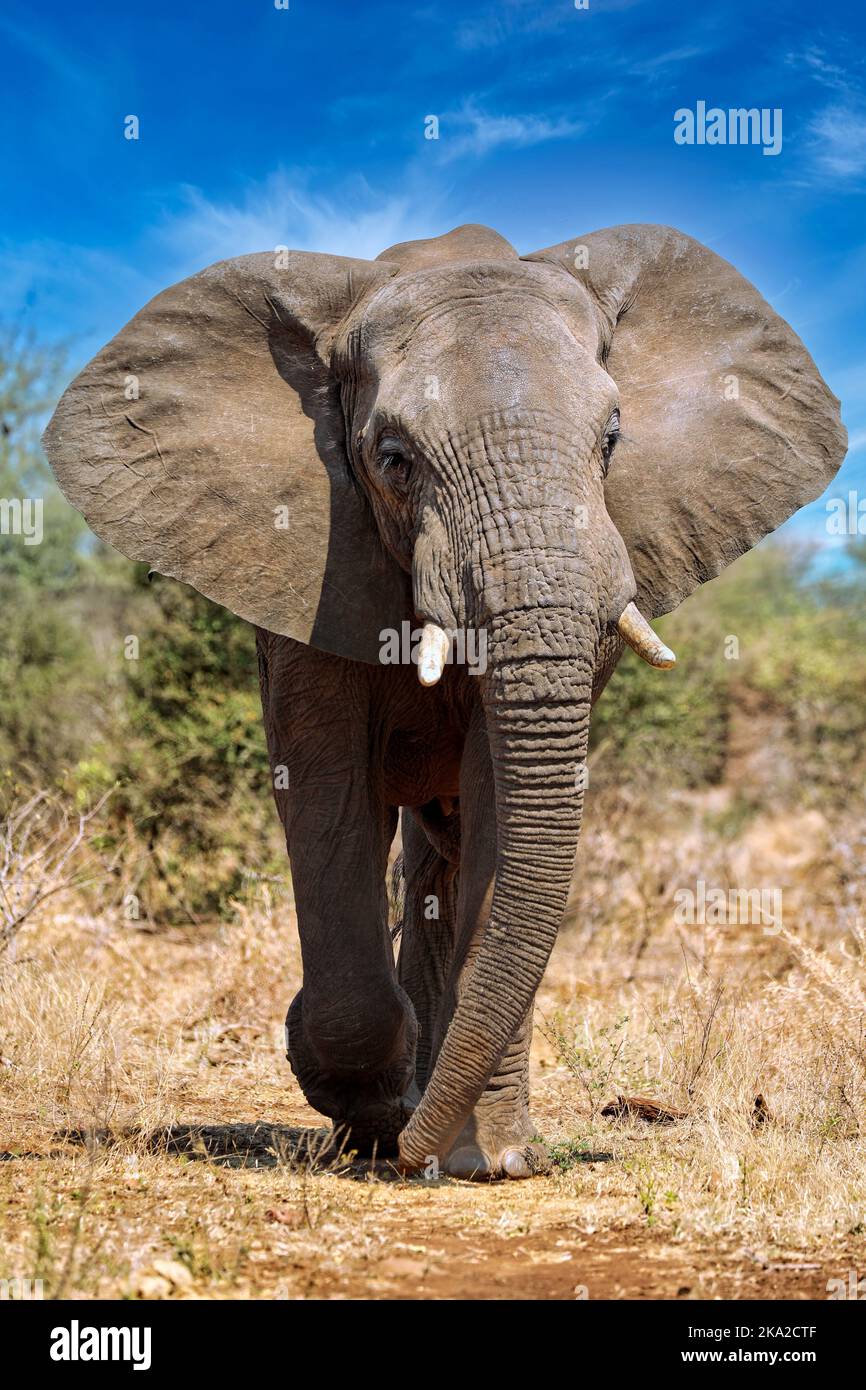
point(468, 1163)
point(515, 1164)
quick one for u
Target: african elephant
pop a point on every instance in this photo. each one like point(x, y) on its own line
point(333, 447)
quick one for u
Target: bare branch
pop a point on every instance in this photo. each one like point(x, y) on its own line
point(43, 855)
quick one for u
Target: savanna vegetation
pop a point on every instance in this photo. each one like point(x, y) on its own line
point(148, 952)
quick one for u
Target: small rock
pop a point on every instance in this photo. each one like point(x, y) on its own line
point(175, 1272)
point(151, 1286)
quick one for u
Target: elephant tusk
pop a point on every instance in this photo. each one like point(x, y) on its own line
point(432, 653)
point(634, 629)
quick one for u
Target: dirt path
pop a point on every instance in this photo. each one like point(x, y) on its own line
point(265, 1229)
point(631, 1263)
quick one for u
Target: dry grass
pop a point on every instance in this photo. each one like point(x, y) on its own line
point(109, 1035)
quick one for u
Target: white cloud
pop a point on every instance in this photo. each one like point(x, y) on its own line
point(653, 67)
point(813, 61)
point(282, 212)
point(508, 21)
point(839, 140)
point(476, 133)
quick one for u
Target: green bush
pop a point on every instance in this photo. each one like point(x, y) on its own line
point(192, 764)
point(764, 641)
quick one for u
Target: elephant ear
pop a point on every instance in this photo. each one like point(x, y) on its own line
point(207, 439)
point(727, 425)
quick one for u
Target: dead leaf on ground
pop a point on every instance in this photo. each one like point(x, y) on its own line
point(285, 1216)
point(642, 1108)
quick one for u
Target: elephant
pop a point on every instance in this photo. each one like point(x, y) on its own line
point(547, 451)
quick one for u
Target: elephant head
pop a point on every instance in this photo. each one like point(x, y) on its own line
point(544, 447)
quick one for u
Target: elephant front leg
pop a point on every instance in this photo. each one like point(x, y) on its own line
point(498, 1139)
point(351, 1030)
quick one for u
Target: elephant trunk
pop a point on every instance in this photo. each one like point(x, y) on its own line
point(536, 695)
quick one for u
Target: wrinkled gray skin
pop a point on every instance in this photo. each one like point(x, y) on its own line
point(465, 402)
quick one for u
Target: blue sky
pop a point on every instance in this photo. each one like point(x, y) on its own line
point(305, 127)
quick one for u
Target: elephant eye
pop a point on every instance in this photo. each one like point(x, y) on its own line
point(394, 463)
point(610, 437)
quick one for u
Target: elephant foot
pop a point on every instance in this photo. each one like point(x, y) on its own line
point(499, 1139)
point(486, 1151)
point(370, 1129)
point(510, 1159)
point(364, 1086)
